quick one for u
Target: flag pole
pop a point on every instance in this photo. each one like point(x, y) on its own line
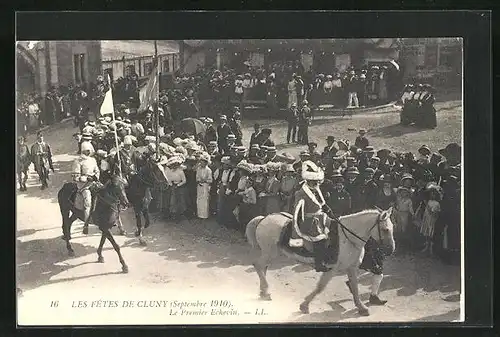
point(157, 95)
point(115, 132)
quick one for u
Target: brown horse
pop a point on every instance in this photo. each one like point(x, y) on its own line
point(268, 235)
point(109, 199)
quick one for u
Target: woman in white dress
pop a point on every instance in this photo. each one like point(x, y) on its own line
point(204, 180)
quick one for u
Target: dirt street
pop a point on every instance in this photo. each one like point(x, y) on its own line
point(200, 262)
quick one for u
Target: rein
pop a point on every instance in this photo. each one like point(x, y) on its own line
point(345, 229)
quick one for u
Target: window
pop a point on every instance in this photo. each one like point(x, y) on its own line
point(79, 67)
point(76, 66)
point(130, 70)
point(148, 68)
point(109, 71)
point(166, 66)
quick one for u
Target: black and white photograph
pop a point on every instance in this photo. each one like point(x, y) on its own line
point(239, 181)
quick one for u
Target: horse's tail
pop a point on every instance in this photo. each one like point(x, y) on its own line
point(251, 230)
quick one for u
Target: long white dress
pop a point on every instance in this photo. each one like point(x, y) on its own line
point(204, 181)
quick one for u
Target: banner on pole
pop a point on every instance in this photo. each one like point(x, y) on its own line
point(148, 93)
point(107, 107)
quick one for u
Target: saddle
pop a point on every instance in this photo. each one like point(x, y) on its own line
point(305, 250)
point(76, 198)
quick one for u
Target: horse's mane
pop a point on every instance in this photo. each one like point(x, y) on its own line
point(363, 212)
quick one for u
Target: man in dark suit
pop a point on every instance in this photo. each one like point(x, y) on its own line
point(329, 152)
point(223, 130)
point(255, 135)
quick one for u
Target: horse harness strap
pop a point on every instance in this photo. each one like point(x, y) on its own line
point(344, 229)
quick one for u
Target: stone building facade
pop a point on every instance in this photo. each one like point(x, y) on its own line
point(47, 64)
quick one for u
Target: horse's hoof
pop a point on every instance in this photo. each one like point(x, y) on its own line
point(364, 312)
point(304, 308)
point(100, 259)
point(125, 269)
point(265, 297)
point(85, 231)
point(71, 252)
point(142, 242)
point(122, 232)
point(137, 233)
point(146, 225)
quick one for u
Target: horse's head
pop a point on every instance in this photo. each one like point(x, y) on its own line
point(117, 185)
point(383, 231)
point(154, 173)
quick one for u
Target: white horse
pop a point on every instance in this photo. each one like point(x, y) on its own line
point(269, 235)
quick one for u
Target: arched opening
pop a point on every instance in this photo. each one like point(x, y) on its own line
point(25, 76)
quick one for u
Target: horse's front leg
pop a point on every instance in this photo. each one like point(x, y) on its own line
point(100, 258)
point(322, 283)
point(352, 274)
point(109, 236)
point(138, 219)
point(119, 223)
point(67, 222)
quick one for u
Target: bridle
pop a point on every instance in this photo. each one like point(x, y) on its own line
point(345, 229)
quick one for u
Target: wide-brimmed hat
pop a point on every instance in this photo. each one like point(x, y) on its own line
point(407, 176)
point(226, 160)
point(212, 143)
point(273, 167)
point(342, 145)
point(369, 170)
point(177, 141)
point(386, 178)
point(101, 153)
point(305, 153)
point(424, 149)
point(231, 137)
point(174, 160)
point(287, 158)
point(451, 149)
point(267, 131)
point(205, 157)
point(369, 149)
point(363, 131)
point(383, 153)
point(352, 170)
point(330, 138)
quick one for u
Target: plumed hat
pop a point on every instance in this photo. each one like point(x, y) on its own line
point(311, 171)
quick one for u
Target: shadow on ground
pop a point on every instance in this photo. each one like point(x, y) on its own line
point(411, 274)
point(39, 260)
point(392, 131)
point(203, 242)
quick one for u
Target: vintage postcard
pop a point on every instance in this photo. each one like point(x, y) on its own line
point(182, 182)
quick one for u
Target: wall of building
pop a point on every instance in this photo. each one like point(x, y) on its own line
point(192, 61)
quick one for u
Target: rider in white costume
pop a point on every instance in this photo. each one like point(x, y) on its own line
point(85, 172)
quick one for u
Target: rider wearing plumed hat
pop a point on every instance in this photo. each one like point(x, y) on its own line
point(309, 219)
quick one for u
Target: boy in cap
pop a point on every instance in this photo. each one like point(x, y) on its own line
point(210, 133)
point(255, 135)
point(329, 152)
point(271, 155)
point(305, 117)
point(23, 162)
point(292, 120)
point(223, 131)
point(339, 199)
point(361, 141)
point(313, 152)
